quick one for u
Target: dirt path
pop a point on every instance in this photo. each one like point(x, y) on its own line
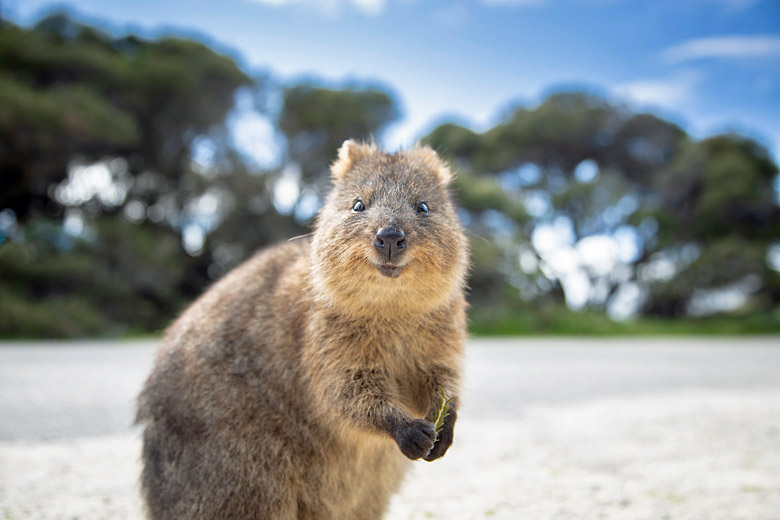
point(550, 430)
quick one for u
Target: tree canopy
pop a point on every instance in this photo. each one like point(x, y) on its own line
point(698, 216)
point(71, 92)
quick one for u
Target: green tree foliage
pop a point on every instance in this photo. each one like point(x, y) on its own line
point(316, 120)
point(717, 199)
point(247, 219)
point(69, 91)
point(72, 95)
point(702, 215)
point(130, 279)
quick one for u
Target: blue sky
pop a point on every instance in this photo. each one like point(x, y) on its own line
point(710, 65)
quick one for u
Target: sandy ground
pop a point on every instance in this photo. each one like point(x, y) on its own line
point(560, 429)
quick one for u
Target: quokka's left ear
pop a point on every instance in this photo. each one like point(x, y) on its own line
point(431, 160)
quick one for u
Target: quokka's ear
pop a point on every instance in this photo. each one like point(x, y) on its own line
point(350, 153)
point(430, 160)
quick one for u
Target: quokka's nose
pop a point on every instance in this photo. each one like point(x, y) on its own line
point(389, 240)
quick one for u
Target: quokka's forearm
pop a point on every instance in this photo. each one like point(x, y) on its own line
point(365, 398)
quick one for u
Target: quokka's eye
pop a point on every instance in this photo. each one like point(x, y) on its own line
point(422, 208)
point(358, 206)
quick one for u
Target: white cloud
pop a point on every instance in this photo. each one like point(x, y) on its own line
point(372, 7)
point(724, 47)
point(670, 93)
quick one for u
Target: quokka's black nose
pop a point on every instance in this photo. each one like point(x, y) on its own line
point(389, 240)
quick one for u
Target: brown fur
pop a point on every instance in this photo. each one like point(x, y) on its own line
point(294, 387)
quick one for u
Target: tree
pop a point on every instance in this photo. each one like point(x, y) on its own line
point(577, 170)
point(75, 104)
point(316, 120)
point(69, 93)
point(716, 199)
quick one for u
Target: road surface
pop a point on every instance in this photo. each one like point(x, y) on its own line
point(550, 428)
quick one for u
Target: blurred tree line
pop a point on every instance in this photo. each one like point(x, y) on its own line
point(123, 193)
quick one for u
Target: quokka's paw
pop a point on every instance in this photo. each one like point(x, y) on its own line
point(444, 440)
point(416, 438)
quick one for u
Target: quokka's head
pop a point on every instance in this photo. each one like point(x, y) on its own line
point(388, 235)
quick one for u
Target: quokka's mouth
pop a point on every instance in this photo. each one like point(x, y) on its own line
point(393, 271)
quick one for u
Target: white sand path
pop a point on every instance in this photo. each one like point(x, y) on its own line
point(550, 429)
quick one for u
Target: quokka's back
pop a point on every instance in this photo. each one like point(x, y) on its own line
point(300, 385)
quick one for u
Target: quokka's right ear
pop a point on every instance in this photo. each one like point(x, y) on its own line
point(350, 153)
